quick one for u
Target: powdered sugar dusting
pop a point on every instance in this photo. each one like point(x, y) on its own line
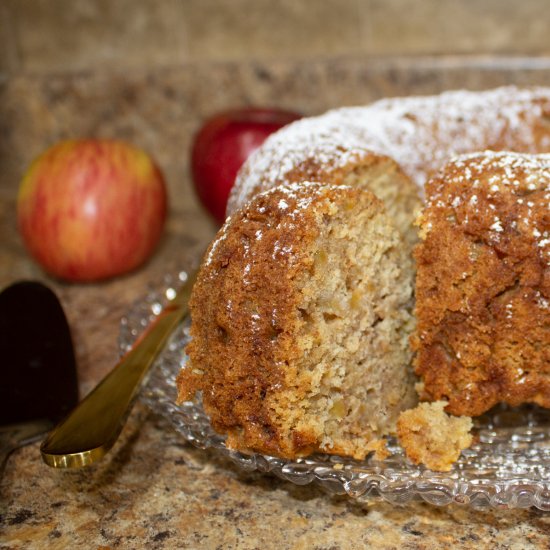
point(420, 133)
point(512, 183)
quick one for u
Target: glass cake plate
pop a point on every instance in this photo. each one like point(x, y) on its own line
point(507, 467)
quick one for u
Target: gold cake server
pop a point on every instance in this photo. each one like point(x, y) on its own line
point(91, 429)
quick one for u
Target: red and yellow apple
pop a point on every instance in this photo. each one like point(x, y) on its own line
point(222, 145)
point(91, 209)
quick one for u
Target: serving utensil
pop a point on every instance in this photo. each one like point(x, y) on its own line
point(91, 429)
point(39, 381)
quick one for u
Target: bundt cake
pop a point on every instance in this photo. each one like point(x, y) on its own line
point(483, 283)
point(301, 316)
point(301, 310)
point(420, 133)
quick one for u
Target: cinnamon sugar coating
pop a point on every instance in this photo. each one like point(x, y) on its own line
point(301, 316)
point(483, 283)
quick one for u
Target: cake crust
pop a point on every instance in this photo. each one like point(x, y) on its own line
point(483, 283)
point(244, 302)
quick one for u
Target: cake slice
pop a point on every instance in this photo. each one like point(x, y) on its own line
point(301, 316)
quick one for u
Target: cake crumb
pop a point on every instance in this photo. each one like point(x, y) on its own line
point(379, 447)
point(432, 437)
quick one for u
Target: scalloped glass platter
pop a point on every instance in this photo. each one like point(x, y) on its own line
point(507, 467)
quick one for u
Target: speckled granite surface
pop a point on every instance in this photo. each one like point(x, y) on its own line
point(153, 490)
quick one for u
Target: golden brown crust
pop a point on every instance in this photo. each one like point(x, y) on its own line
point(234, 275)
point(483, 283)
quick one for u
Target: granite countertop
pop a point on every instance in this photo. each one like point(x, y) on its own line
point(153, 490)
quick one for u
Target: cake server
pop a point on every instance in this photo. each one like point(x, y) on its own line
point(39, 382)
point(91, 429)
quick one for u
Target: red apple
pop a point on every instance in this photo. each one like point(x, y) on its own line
point(91, 209)
point(223, 144)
